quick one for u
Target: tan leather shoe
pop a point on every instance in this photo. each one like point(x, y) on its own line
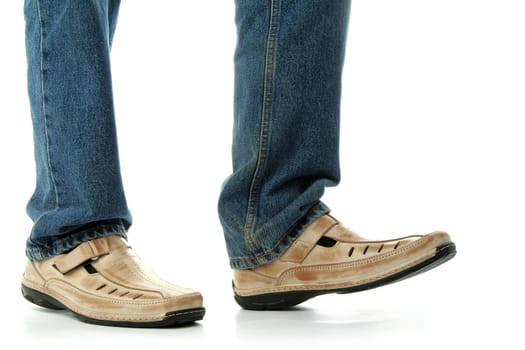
point(329, 258)
point(104, 282)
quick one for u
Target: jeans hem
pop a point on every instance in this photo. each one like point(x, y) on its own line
point(250, 262)
point(39, 251)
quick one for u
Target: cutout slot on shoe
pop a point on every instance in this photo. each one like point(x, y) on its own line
point(326, 242)
point(90, 269)
point(351, 252)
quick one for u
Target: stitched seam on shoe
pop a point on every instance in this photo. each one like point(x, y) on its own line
point(37, 271)
point(32, 284)
point(360, 262)
point(101, 315)
point(264, 275)
point(377, 242)
point(155, 280)
point(334, 285)
point(80, 292)
point(108, 316)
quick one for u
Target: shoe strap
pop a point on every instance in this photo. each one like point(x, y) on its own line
point(90, 250)
point(308, 239)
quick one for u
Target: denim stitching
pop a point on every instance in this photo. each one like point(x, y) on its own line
point(44, 109)
point(263, 151)
point(269, 255)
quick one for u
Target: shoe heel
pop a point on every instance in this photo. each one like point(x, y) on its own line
point(41, 299)
point(274, 301)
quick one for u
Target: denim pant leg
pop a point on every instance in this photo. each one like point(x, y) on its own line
point(79, 194)
point(288, 67)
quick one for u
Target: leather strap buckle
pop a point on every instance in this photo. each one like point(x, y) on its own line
point(90, 250)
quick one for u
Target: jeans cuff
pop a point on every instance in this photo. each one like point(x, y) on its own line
point(41, 250)
point(315, 212)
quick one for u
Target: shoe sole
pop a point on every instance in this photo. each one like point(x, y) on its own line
point(285, 300)
point(173, 318)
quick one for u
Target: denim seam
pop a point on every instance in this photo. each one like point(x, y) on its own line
point(269, 255)
point(266, 116)
point(44, 109)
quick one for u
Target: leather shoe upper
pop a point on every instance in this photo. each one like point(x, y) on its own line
point(103, 279)
point(327, 255)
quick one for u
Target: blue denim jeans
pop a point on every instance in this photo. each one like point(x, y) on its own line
point(288, 66)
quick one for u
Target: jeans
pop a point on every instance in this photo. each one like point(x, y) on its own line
point(288, 66)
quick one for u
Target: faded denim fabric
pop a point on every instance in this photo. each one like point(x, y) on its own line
point(288, 67)
point(79, 194)
point(285, 151)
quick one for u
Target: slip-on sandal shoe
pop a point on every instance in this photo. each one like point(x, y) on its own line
point(329, 258)
point(103, 282)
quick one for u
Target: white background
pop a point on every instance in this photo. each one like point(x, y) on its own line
point(432, 138)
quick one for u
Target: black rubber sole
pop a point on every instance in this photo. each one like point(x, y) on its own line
point(171, 319)
point(285, 300)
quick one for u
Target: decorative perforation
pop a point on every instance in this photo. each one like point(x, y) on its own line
point(120, 293)
point(329, 242)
